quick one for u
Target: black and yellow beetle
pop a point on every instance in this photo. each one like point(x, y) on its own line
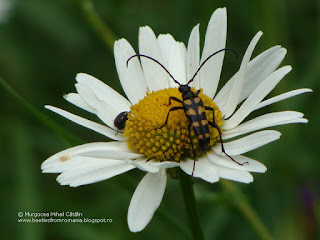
point(194, 110)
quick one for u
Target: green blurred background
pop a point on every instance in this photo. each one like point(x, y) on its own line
point(44, 43)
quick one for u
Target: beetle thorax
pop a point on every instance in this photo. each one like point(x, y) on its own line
point(186, 92)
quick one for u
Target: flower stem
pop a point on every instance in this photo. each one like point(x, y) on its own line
point(93, 18)
point(190, 203)
point(244, 207)
point(63, 133)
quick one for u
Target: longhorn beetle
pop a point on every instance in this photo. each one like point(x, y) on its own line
point(194, 110)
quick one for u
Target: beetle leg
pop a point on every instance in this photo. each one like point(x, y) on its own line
point(118, 131)
point(150, 159)
point(193, 151)
point(175, 99)
point(213, 124)
point(171, 109)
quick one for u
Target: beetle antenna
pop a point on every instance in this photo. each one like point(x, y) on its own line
point(224, 49)
point(141, 55)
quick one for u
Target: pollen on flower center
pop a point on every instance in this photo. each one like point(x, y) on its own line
point(171, 142)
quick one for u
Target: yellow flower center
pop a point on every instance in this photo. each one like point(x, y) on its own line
point(172, 141)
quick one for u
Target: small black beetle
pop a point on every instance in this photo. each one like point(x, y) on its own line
point(120, 120)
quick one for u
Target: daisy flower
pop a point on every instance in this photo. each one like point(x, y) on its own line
point(145, 143)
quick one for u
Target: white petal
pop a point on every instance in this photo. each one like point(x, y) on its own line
point(74, 179)
point(282, 97)
point(65, 159)
point(174, 55)
point(264, 121)
point(100, 96)
point(215, 40)
point(143, 165)
point(76, 100)
point(256, 97)
point(103, 91)
point(202, 169)
point(104, 111)
point(108, 132)
point(248, 143)
point(113, 154)
point(224, 161)
point(193, 57)
point(237, 86)
point(155, 75)
point(235, 175)
point(74, 162)
point(146, 199)
point(164, 165)
point(79, 166)
point(258, 70)
point(296, 120)
point(131, 77)
point(78, 170)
